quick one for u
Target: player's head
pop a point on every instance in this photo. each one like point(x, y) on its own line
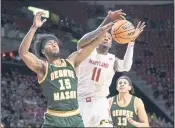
point(106, 43)
point(47, 46)
point(124, 85)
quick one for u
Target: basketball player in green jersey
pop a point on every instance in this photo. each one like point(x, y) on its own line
point(57, 76)
point(127, 110)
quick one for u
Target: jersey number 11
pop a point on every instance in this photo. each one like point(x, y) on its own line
point(96, 74)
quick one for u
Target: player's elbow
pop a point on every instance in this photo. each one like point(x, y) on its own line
point(22, 54)
point(20, 51)
point(127, 69)
point(78, 46)
point(147, 125)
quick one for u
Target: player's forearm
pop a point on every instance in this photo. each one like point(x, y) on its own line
point(89, 37)
point(128, 58)
point(140, 125)
point(26, 42)
point(88, 49)
point(105, 21)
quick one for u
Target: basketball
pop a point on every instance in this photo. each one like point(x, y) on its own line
point(122, 31)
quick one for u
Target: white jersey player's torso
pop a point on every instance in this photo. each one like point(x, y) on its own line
point(95, 75)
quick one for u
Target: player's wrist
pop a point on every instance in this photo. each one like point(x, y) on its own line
point(34, 27)
point(109, 18)
point(131, 43)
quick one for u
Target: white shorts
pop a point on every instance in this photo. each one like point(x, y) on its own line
point(94, 110)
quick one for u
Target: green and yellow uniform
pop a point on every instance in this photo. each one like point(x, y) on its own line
point(60, 90)
point(119, 113)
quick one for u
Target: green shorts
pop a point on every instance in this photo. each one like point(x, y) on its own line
point(51, 121)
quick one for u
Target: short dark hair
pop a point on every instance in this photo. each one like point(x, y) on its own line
point(130, 83)
point(38, 44)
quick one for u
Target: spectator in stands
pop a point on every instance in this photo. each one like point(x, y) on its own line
point(148, 52)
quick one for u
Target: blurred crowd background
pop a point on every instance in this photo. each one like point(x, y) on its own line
point(22, 102)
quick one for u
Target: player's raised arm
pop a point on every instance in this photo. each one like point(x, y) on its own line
point(126, 63)
point(77, 57)
point(30, 59)
point(89, 37)
point(113, 16)
point(143, 118)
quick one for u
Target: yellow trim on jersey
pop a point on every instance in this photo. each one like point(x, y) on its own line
point(135, 109)
point(63, 113)
point(123, 105)
point(62, 65)
point(40, 81)
point(70, 63)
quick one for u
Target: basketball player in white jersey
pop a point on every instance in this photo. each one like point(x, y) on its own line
point(96, 72)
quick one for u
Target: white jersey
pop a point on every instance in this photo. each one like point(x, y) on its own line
point(95, 75)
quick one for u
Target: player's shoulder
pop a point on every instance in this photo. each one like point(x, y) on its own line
point(137, 98)
point(111, 98)
point(138, 101)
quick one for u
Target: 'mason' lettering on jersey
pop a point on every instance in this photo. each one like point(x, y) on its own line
point(98, 63)
point(125, 113)
point(64, 82)
point(64, 95)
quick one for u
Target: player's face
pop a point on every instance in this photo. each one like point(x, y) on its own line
point(107, 40)
point(51, 48)
point(123, 86)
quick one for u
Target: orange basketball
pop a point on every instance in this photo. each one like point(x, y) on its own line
point(122, 31)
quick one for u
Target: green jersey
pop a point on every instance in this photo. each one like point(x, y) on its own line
point(60, 87)
point(119, 113)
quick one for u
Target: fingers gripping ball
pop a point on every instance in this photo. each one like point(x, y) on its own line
point(123, 31)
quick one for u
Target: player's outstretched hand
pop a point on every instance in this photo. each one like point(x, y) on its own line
point(116, 15)
point(37, 22)
point(139, 29)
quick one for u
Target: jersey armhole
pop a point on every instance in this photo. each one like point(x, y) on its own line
point(135, 109)
point(45, 75)
point(70, 63)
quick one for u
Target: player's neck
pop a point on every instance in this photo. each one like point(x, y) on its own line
point(102, 51)
point(57, 61)
point(123, 96)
